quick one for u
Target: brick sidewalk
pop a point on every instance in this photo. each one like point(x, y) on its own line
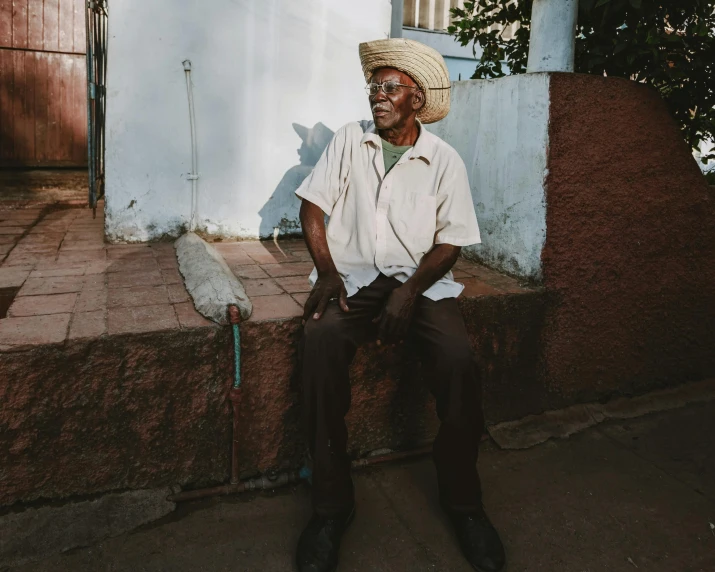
point(69, 284)
point(72, 285)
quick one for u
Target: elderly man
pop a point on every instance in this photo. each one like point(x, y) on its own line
point(400, 210)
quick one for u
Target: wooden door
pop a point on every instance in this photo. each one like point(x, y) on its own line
point(43, 89)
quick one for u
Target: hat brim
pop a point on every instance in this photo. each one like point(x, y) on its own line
point(423, 64)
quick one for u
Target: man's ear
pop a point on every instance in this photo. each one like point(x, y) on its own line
point(418, 100)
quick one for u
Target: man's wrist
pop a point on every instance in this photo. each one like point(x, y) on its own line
point(328, 272)
point(413, 287)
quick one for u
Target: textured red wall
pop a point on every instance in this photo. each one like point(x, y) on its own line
point(629, 259)
point(149, 410)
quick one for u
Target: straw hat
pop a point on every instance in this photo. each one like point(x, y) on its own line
point(423, 64)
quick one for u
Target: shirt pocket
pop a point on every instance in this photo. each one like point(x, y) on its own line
point(414, 219)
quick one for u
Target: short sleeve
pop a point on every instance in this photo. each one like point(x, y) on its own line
point(325, 183)
point(456, 219)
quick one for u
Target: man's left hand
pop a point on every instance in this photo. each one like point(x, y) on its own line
point(396, 315)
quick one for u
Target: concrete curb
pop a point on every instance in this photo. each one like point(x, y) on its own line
point(535, 429)
point(209, 280)
point(38, 533)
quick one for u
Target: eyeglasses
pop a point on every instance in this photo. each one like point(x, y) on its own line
point(388, 87)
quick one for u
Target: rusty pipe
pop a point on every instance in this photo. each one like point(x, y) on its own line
point(259, 483)
point(287, 478)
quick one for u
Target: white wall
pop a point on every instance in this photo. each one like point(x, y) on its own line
point(258, 67)
point(500, 129)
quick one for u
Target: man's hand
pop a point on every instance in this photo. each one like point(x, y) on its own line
point(328, 287)
point(396, 315)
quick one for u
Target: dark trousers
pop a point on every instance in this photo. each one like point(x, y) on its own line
point(438, 330)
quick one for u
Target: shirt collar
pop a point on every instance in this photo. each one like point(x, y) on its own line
point(423, 148)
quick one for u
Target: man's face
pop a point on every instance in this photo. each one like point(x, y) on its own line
point(394, 109)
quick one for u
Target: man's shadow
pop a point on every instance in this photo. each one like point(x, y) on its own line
point(282, 209)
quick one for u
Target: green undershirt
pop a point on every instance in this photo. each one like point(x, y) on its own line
point(391, 154)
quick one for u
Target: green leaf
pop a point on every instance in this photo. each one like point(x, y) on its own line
point(601, 3)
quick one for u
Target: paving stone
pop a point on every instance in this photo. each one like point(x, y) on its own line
point(237, 259)
point(289, 269)
point(141, 264)
point(276, 257)
point(162, 248)
point(81, 256)
point(16, 223)
point(14, 276)
point(58, 270)
point(41, 305)
point(189, 317)
point(167, 261)
point(96, 267)
point(141, 319)
point(51, 285)
point(95, 282)
point(71, 246)
point(248, 271)
point(14, 230)
point(42, 248)
point(274, 308)
point(34, 330)
point(54, 238)
point(177, 293)
point(88, 325)
point(124, 279)
point(294, 284)
point(137, 296)
point(91, 300)
point(172, 276)
point(116, 252)
point(28, 259)
point(84, 235)
point(261, 287)
point(301, 298)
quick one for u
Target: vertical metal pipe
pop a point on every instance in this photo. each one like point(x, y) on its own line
point(398, 7)
point(193, 176)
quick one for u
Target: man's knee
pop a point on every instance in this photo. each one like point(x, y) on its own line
point(329, 330)
point(456, 352)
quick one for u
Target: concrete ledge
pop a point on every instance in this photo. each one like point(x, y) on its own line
point(560, 424)
point(144, 410)
point(37, 533)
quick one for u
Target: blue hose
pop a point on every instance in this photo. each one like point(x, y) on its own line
point(237, 356)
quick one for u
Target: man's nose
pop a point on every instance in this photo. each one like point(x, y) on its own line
point(379, 96)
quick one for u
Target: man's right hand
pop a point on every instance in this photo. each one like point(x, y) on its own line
point(328, 287)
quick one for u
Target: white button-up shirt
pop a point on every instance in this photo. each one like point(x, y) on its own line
point(387, 223)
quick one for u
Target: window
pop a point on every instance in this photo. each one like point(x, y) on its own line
point(435, 15)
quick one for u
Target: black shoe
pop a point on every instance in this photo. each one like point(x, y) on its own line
point(479, 540)
point(319, 543)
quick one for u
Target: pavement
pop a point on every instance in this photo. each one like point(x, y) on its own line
point(60, 281)
point(625, 495)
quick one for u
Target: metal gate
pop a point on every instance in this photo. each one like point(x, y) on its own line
point(97, 15)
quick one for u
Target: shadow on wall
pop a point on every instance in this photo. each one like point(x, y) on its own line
point(281, 210)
